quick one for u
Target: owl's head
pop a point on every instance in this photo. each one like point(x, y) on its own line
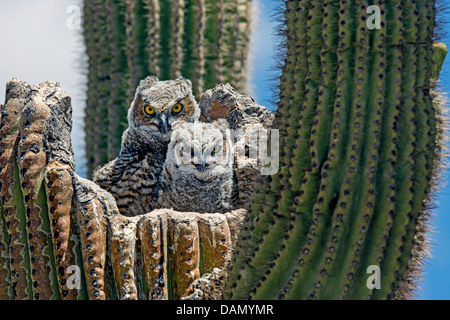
point(158, 105)
point(201, 150)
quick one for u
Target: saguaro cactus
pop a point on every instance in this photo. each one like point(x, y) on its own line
point(62, 237)
point(205, 41)
point(360, 138)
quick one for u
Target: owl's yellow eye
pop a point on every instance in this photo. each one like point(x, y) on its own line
point(186, 149)
point(215, 150)
point(177, 108)
point(149, 110)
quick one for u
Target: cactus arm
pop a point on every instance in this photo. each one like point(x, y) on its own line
point(413, 247)
point(6, 289)
point(153, 30)
point(381, 222)
point(220, 42)
point(359, 186)
point(176, 40)
point(198, 82)
point(11, 193)
point(189, 39)
point(302, 175)
point(211, 46)
point(94, 35)
point(426, 168)
point(227, 16)
point(89, 118)
point(117, 102)
point(131, 48)
point(358, 225)
point(341, 236)
point(267, 220)
point(135, 44)
point(242, 32)
point(440, 52)
point(165, 54)
point(103, 84)
point(404, 164)
point(420, 172)
point(140, 16)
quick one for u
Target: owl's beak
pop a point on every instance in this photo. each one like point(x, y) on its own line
point(201, 167)
point(164, 126)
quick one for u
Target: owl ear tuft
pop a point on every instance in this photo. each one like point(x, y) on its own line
point(184, 81)
point(146, 83)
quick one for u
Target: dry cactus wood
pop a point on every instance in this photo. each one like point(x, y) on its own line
point(53, 220)
point(172, 250)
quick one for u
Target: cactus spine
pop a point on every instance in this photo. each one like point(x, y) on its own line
point(205, 41)
point(360, 129)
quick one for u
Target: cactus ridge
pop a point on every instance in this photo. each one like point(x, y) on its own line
point(115, 30)
point(369, 158)
point(11, 194)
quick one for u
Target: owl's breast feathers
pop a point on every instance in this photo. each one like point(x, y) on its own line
point(133, 176)
point(187, 193)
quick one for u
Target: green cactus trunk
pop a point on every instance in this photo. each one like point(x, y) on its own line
point(205, 41)
point(359, 133)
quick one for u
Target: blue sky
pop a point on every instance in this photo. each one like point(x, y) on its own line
point(437, 275)
point(60, 57)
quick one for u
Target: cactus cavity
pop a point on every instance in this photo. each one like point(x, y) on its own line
point(62, 237)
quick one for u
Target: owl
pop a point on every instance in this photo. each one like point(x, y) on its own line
point(198, 172)
point(132, 177)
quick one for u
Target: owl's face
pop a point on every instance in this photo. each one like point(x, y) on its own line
point(158, 105)
point(201, 150)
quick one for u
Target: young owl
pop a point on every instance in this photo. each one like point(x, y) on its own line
point(198, 172)
point(131, 177)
